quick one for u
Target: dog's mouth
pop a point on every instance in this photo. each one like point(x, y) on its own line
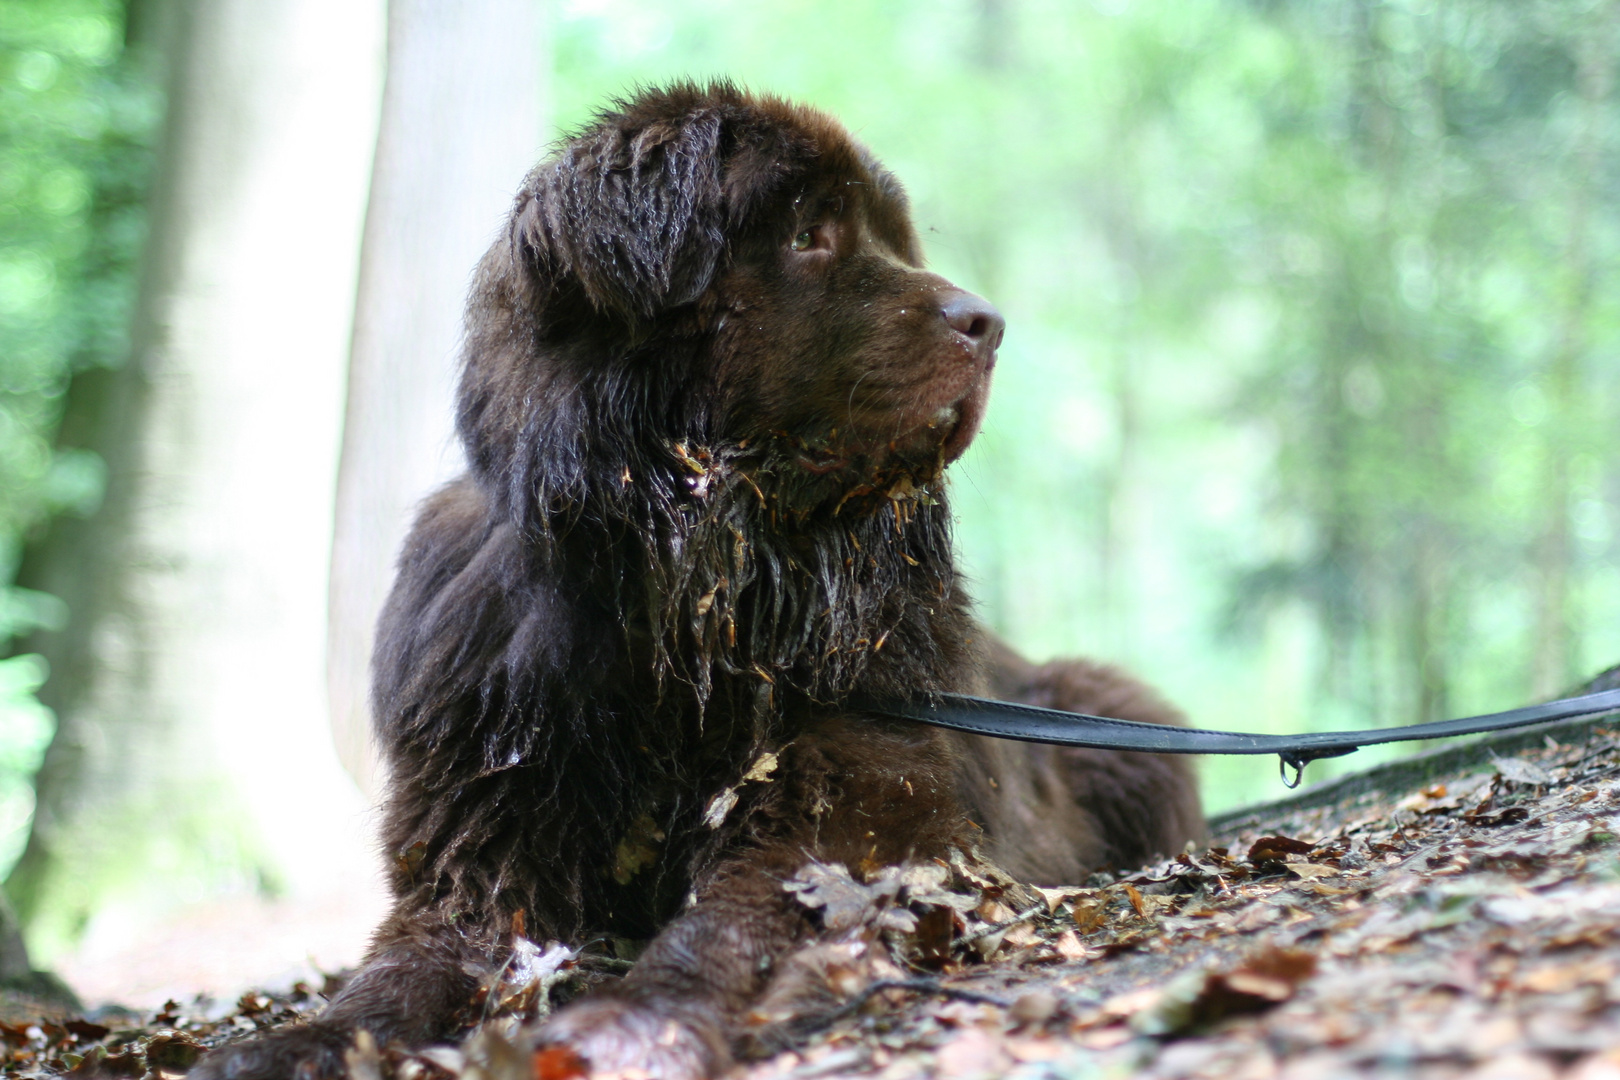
point(924, 448)
point(947, 432)
point(961, 421)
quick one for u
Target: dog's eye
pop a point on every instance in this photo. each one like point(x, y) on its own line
point(805, 240)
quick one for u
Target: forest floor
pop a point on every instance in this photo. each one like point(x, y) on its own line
point(1454, 916)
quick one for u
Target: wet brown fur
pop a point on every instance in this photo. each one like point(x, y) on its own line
point(705, 507)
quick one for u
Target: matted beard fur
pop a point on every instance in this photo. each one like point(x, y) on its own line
point(757, 580)
point(746, 593)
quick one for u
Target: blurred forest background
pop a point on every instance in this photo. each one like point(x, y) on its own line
point(1307, 410)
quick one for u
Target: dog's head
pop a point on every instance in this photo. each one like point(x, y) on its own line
point(744, 278)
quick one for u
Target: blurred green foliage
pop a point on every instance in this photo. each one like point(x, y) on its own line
point(1307, 406)
point(76, 123)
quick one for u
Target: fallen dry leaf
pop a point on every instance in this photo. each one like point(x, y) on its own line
point(1276, 849)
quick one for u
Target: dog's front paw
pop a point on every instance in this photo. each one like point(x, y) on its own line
point(308, 1052)
point(646, 1039)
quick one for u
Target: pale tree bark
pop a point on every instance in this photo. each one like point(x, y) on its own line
point(192, 749)
point(461, 124)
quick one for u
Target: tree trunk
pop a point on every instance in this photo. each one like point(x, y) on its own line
point(187, 686)
point(461, 124)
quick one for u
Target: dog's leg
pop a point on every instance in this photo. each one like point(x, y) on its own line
point(674, 1016)
point(856, 792)
point(1056, 813)
point(414, 988)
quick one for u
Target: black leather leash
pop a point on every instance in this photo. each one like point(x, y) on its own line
point(1028, 723)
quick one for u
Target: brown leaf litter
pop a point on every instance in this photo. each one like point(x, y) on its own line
point(1468, 927)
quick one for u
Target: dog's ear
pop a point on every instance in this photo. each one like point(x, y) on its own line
point(634, 213)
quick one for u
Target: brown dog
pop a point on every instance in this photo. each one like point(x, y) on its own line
point(708, 398)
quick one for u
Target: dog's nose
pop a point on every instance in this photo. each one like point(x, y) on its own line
point(977, 320)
